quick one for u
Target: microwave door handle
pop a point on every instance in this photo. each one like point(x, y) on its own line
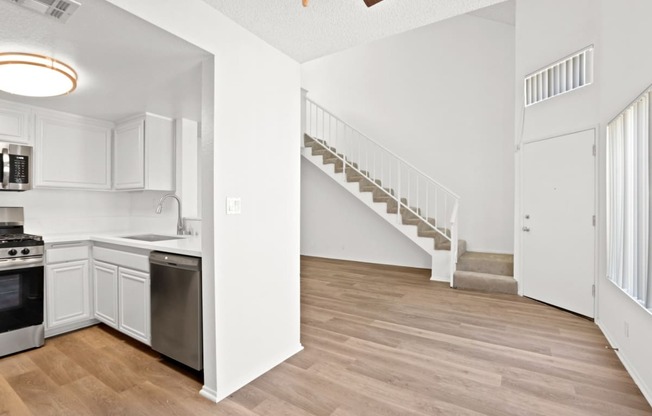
point(5, 168)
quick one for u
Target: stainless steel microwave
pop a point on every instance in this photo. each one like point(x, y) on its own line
point(16, 167)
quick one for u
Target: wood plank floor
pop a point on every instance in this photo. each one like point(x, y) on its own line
point(378, 341)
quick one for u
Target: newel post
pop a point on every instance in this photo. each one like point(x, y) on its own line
point(304, 104)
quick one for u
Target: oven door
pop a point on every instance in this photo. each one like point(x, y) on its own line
point(21, 293)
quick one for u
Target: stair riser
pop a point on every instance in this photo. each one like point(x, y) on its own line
point(461, 247)
point(485, 284)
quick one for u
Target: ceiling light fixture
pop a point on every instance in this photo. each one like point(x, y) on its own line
point(35, 75)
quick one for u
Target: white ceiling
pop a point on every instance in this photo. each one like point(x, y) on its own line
point(328, 26)
point(126, 66)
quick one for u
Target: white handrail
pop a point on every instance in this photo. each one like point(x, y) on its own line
point(417, 196)
point(405, 162)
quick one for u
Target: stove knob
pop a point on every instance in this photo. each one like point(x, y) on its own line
point(25, 251)
point(12, 252)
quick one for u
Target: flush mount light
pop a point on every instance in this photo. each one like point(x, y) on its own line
point(35, 75)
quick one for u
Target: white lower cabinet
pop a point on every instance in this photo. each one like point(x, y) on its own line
point(134, 317)
point(105, 281)
point(68, 287)
point(121, 280)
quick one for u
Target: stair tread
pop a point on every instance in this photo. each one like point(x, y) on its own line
point(476, 255)
point(485, 275)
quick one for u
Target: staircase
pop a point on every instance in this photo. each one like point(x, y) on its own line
point(422, 209)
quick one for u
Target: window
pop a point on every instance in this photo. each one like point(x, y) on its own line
point(628, 200)
point(569, 74)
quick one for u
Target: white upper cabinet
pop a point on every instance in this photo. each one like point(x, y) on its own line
point(129, 155)
point(14, 123)
point(144, 154)
point(72, 151)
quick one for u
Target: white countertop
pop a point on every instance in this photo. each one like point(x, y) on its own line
point(187, 245)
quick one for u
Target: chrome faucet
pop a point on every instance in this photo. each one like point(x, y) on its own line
point(180, 223)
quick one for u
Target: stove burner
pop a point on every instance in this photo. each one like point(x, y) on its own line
point(11, 238)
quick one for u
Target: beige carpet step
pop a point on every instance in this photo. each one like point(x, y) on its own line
point(446, 245)
point(367, 186)
point(382, 196)
point(500, 264)
point(355, 176)
point(392, 205)
point(485, 282)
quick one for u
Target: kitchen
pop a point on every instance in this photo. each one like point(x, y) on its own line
point(100, 178)
point(250, 265)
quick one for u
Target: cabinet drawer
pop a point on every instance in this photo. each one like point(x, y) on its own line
point(122, 258)
point(58, 255)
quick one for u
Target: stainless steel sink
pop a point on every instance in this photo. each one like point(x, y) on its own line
point(152, 237)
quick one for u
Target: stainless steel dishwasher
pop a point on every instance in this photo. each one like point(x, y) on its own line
point(176, 307)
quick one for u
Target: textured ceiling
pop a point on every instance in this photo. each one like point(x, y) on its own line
point(328, 26)
point(126, 66)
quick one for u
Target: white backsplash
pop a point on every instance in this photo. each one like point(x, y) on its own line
point(53, 211)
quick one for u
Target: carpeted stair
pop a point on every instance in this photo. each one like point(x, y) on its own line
point(486, 272)
point(381, 194)
point(475, 271)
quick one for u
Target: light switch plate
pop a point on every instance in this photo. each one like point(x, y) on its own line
point(233, 206)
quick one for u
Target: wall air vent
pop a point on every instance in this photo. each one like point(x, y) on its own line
point(60, 10)
point(568, 74)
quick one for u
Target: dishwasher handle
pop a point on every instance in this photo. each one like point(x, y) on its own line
point(175, 260)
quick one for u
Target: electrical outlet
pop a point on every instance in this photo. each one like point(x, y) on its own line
point(626, 329)
point(233, 206)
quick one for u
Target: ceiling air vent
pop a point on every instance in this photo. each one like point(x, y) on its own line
point(60, 10)
point(571, 73)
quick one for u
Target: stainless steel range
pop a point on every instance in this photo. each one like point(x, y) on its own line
point(21, 284)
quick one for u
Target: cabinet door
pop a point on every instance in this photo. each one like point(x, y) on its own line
point(68, 293)
point(14, 123)
point(72, 152)
point(134, 316)
point(159, 153)
point(129, 155)
point(105, 282)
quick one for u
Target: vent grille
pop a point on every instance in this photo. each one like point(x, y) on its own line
point(563, 76)
point(60, 10)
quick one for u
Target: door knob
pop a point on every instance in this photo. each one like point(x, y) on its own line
point(526, 229)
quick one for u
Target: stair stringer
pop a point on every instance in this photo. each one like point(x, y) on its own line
point(441, 267)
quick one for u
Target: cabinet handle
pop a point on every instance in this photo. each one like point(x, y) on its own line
point(6, 168)
point(59, 245)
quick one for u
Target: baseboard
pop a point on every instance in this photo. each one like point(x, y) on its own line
point(224, 394)
point(69, 328)
point(397, 267)
point(209, 394)
point(645, 389)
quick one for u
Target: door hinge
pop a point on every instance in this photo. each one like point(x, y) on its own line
point(594, 150)
point(593, 290)
point(593, 221)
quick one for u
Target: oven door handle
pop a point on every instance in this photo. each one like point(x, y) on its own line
point(5, 168)
point(20, 263)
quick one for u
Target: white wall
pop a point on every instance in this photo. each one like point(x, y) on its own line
point(626, 70)
point(442, 98)
point(252, 263)
point(619, 30)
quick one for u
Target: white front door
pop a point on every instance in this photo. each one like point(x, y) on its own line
point(558, 255)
